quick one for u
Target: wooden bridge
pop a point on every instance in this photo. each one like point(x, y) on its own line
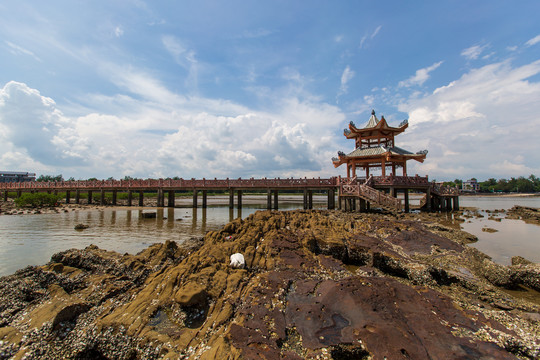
point(354, 194)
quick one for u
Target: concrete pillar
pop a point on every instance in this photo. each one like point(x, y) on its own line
point(77, 196)
point(368, 205)
point(55, 192)
point(448, 204)
point(114, 196)
point(406, 200)
point(331, 199)
point(362, 205)
point(160, 198)
point(310, 199)
point(89, 200)
point(231, 198)
point(305, 199)
point(393, 191)
point(276, 205)
point(130, 198)
point(428, 199)
point(239, 199)
point(67, 196)
point(195, 193)
point(204, 199)
point(456, 203)
point(268, 199)
point(171, 199)
point(102, 197)
point(5, 195)
point(141, 198)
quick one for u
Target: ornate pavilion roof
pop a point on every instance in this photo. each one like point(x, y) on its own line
point(379, 151)
point(374, 126)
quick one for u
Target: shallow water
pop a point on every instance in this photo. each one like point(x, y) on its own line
point(33, 239)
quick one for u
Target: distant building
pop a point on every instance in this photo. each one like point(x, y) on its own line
point(16, 176)
point(470, 185)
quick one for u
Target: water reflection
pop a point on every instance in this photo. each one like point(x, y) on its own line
point(31, 240)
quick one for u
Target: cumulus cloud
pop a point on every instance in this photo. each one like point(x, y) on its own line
point(420, 76)
point(482, 124)
point(153, 139)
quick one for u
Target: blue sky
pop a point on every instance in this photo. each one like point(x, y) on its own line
point(253, 88)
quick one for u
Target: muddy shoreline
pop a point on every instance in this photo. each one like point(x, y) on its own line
point(317, 284)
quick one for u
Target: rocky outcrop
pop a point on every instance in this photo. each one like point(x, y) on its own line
point(316, 284)
point(528, 214)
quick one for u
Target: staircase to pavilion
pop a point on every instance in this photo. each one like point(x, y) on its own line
point(353, 188)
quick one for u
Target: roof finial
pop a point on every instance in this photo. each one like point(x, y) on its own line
point(372, 112)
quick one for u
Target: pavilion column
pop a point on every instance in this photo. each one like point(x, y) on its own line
point(268, 199)
point(195, 193)
point(231, 198)
point(77, 196)
point(405, 168)
point(367, 171)
point(305, 199)
point(89, 197)
point(406, 200)
point(114, 196)
point(130, 197)
point(348, 171)
point(102, 197)
point(239, 206)
point(141, 198)
point(204, 199)
point(276, 206)
point(171, 199)
point(393, 169)
point(383, 167)
point(68, 195)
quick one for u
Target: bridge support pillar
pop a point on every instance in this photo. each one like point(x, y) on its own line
point(89, 201)
point(67, 196)
point(160, 198)
point(77, 196)
point(114, 196)
point(19, 193)
point(448, 204)
point(141, 198)
point(368, 206)
point(310, 199)
point(231, 198)
point(55, 192)
point(456, 203)
point(204, 199)
point(276, 205)
point(239, 199)
point(305, 199)
point(331, 199)
point(170, 199)
point(428, 199)
point(362, 205)
point(406, 200)
point(5, 195)
point(102, 197)
point(195, 194)
point(268, 199)
point(130, 197)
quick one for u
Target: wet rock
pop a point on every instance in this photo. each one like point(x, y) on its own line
point(81, 226)
point(149, 215)
point(318, 284)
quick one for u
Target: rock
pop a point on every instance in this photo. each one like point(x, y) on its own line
point(237, 261)
point(489, 230)
point(319, 284)
point(149, 215)
point(518, 260)
point(81, 226)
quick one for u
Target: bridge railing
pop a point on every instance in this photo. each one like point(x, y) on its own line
point(172, 183)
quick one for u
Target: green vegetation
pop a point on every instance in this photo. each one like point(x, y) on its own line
point(37, 199)
point(518, 185)
point(44, 178)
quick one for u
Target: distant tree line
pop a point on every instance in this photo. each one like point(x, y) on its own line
point(521, 184)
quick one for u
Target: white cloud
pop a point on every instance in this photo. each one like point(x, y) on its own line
point(118, 31)
point(173, 137)
point(487, 121)
point(376, 31)
point(473, 52)
point(346, 76)
point(420, 76)
point(16, 50)
point(535, 40)
point(368, 36)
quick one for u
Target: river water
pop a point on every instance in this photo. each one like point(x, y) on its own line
point(33, 239)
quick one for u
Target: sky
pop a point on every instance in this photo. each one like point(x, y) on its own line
point(217, 89)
